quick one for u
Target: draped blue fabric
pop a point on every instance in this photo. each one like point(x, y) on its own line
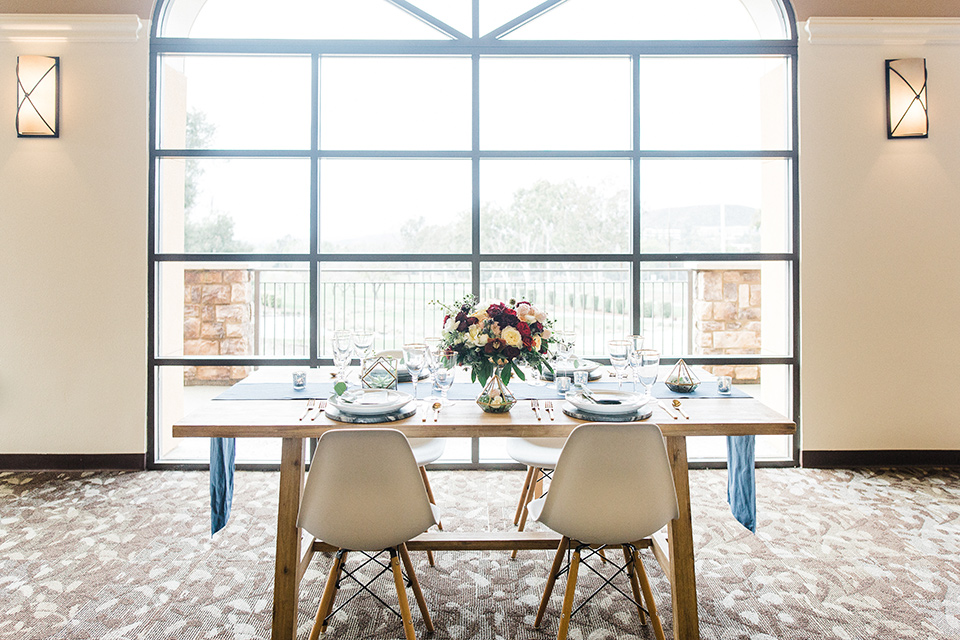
point(741, 479)
point(223, 454)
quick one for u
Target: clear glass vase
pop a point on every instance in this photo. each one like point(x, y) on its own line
point(495, 396)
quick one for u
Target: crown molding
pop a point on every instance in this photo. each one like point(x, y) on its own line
point(883, 31)
point(57, 27)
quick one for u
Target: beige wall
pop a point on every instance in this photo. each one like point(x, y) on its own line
point(879, 255)
point(73, 215)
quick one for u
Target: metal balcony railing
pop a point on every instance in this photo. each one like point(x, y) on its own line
point(397, 304)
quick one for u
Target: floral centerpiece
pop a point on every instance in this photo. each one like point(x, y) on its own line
point(494, 341)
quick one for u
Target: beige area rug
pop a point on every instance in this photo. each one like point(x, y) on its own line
point(838, 554)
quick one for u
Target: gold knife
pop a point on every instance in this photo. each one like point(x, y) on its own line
point(664, 406)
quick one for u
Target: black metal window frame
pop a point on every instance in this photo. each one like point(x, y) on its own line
point(475, 47)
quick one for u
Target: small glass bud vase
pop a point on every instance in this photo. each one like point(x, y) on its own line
point(495, 396)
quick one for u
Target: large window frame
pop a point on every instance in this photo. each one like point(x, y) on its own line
point(474, 46)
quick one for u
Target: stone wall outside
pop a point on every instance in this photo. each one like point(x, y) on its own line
point(726, 314)
point(217, 321)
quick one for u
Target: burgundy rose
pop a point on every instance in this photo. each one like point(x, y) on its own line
point(511, 352)
point(524, 329)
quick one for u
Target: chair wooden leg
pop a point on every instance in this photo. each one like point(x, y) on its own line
point(565, 612)
point(408, 631)
point(527, 499)
point(329, 595)
point(551, 580)
point(634, 584)
point(415, 585)
point(426, 484)
point(648, 597)
point(523, 496)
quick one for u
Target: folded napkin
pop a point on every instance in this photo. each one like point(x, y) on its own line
point(741, 479)
point(223, 454)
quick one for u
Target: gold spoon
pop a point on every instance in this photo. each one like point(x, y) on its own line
point(676, 405)
point(436, 410)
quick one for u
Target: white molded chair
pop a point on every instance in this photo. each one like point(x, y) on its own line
point(612, 486)
point(540, 455)
point(364, 493)
point(427, 451)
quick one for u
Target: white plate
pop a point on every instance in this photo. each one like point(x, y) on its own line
point(369, 402)
point(583, 365)
point(629, 402)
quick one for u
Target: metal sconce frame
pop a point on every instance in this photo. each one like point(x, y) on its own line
point(38, 97)
point(907, 98)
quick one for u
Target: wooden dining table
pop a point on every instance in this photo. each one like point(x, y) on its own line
point(673, 548)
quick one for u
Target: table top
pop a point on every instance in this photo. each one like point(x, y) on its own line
point(281, 419)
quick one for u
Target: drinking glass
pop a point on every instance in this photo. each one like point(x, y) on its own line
point(636, 343)
point(342, 344)
point(635, 360)
point(649, 369)
point(415, 355)
point(618, 350)
point(363, 342)
point(566, 340)
point(445, 373)
point(433, 353)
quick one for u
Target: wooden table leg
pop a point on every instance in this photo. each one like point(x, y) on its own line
point(286, 587)
point(683, 579)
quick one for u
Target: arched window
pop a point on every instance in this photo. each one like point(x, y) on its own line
point(628, 165)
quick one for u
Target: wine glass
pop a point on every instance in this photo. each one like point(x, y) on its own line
point(433, 351)
point(342, 344)
point(363, 342)
point(618, 351)
point(566, 340)
point(445, 373)
point(415, 355)
point(636, 344)
point(649, 369)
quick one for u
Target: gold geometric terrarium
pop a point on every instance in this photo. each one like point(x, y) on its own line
point(381, 373)
point(682, 379)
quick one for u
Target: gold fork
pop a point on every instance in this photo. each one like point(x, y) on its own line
point(321, 406)
point(548, 405)
point(310, 404)
point(535, 405)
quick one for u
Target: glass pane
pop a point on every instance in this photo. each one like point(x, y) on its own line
point(714, 103)
point(555, 206)
point(738, 309)
point(657, 20)
point(771, 384)
point(714, 205)
point(234, 205)
point(308, 19)
point(395, 103)
point(456, 13)
point(591, 299)
point(394, 300)
point(395, 206)
point(179, 392)
point(232, 309)
point(234, 102)
point(555, 103)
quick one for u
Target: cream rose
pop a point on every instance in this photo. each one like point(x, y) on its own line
point(512, 337)
point(475, 336)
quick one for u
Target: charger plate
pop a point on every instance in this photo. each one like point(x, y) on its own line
point(404, 412)
point(642, 413)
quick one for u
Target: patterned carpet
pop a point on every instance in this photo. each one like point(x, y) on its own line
point(838, 554)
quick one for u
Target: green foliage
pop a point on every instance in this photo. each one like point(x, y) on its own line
point(213, 234)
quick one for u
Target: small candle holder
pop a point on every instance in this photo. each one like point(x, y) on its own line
point(579, 378)
point(724, 384)
point(563, 384)
point(299, 380)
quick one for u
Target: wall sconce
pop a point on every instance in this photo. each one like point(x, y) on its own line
point(38, 97)
point(907, 98)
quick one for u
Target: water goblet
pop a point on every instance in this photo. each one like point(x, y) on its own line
point(342, 344)
point(636, 343)
point(445, 373)
point(566, 340)
point(415, 355)
point(649, 369)
point(433, 352)
point(634, 359)
point(618, 350)
point(363, 342)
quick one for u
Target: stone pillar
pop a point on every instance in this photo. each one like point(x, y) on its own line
point(217, 321)
point(727, 318)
